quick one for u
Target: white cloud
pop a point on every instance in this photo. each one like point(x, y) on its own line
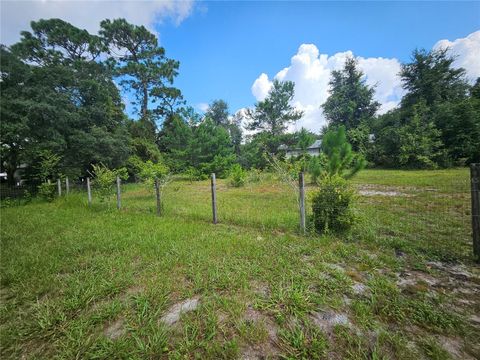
point(17, 15)
point(261, 87)
point(467, 51)
point(311, 71)
point(202, 107)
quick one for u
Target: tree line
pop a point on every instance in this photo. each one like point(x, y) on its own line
point(64, 94)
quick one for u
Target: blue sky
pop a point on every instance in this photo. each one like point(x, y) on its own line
point(233, 50)
point(225, 47)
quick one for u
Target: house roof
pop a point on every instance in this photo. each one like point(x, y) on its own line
point(316, 145)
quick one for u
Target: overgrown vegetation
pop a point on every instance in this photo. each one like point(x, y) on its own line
point(94, 283)
point(332, 205)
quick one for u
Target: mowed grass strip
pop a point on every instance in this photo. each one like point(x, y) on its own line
point(80, 282)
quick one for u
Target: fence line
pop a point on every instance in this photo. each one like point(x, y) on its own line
point(475, 197)
point(426, 210)
point(214, 198)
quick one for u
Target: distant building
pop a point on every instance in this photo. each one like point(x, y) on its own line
point(312, 150)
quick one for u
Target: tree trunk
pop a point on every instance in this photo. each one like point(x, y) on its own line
point(10, 175)
point(144, 100)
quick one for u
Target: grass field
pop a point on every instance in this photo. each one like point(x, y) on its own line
point(97, 283)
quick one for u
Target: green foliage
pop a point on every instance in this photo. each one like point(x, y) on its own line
point(332, 205)
point(340, 159)
point(275, 112)
point(218, 112)
point(143, 68)
point(315, 167)
point(105, 179)
point(411, 141)
point(210, 149)
point(47, 191)
point(173, 141)
point(254, 176)
point(351, 100)
point(68, 102)
point(430, 78)
point(149, 171)
point(237, 176)
point(305, 139)
point(459, 124)
point(48, 166)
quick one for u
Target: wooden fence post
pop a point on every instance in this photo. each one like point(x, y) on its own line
point(67, 185)
point(214, 199)
point(89, 192)
point(475, 195)
point(59, 187)
point(157, 193)
point(301, 186)
point(119, 200)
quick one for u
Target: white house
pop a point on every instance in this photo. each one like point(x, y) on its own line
point(312, 150)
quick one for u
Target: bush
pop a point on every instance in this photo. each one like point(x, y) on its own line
point(332, 206)
point(47, 191)
point(237, 176)
point(315, 167)
point(105, 179)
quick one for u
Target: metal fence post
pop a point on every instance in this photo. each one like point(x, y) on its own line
point(214, 199)
point(89, 192)
point(475, 195)
point(59, 187)
point(157, 193)
point(301, 186)
point(119, 200)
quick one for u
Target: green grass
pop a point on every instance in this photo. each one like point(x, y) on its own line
point(70, 274)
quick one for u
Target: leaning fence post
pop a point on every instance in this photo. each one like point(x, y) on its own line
point(67, 185)
point(89, 192)
point(301, 186)
point(475, 195)
point(119, 200)
point(157, 193)
point(59, 187)
point(214, 199)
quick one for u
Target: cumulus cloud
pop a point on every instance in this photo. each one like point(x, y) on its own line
point(203, 107)
point(311, 71)
point(467, 53)
point(16, 15)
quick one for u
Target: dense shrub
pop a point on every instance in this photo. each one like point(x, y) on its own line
point(332, 205)
point(47, 191)
point(105, 179)
point(237, 176)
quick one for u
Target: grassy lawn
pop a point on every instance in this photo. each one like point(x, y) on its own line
point(97, 283)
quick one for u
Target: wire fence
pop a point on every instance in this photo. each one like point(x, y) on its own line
point(432, 216)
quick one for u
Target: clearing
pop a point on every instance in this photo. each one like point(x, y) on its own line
point(80, 282)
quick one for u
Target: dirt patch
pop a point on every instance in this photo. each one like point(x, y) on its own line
point(337, 267)
point(359, 289)
point(327, 320)
point(131, 292)
point(382, 193)
point(116, 329)
point(173, 314)
point(260, 288)
point(269, 348)
point(454, 346)
point(376, 190)
point(412, 278)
